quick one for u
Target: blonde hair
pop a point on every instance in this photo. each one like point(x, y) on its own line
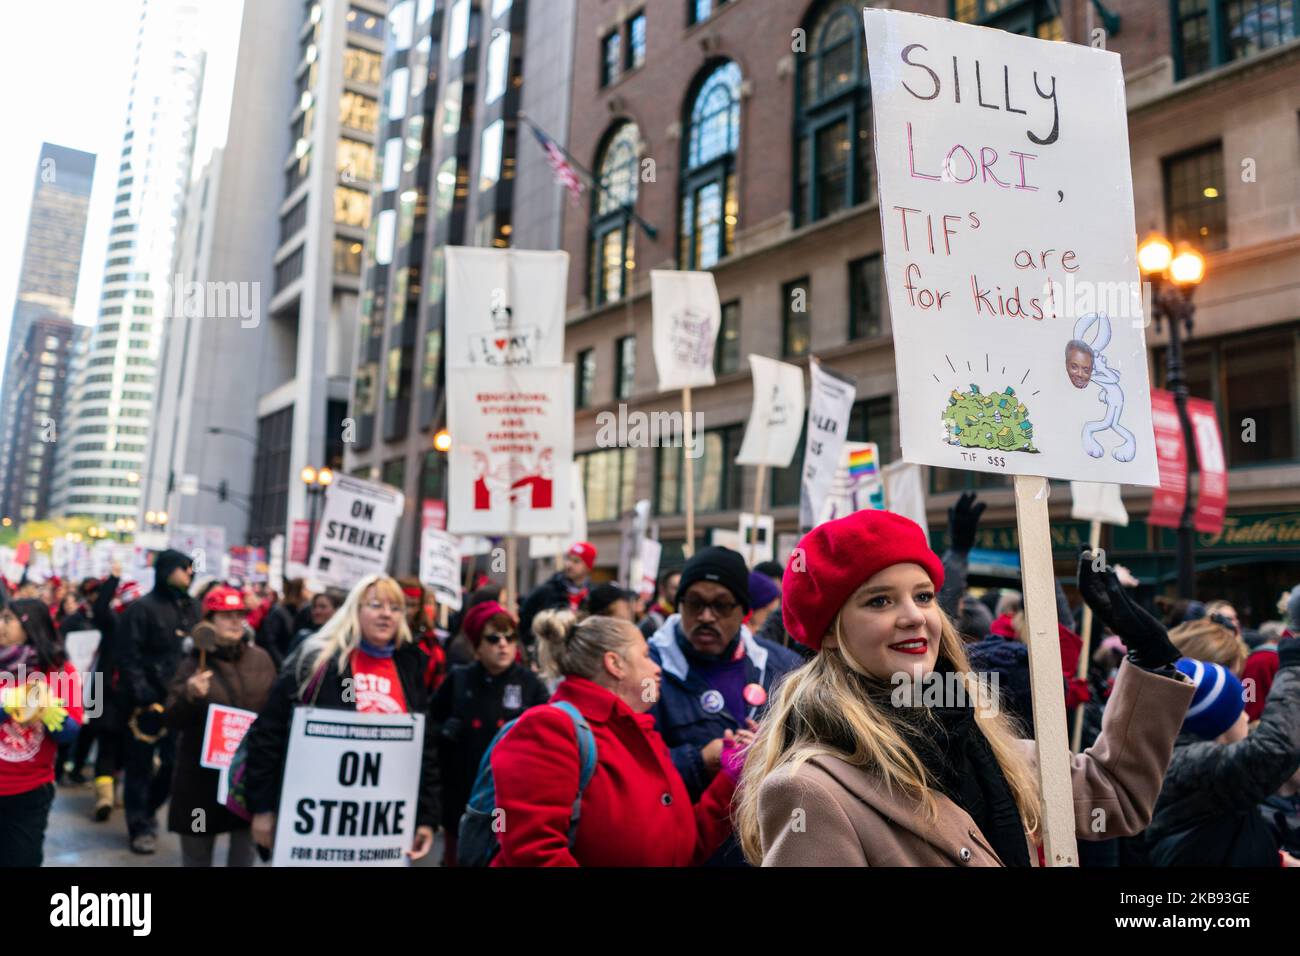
point(1209, 641)
point(822, 702)
point(341, 634)
point(569, 648)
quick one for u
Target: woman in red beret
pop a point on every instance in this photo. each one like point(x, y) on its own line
point(860, 762)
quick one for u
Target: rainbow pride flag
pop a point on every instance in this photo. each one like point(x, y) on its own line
point(862, 464)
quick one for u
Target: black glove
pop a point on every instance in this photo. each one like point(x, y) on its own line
point(963, 520)
point(1288, 652)
point(1148, 642)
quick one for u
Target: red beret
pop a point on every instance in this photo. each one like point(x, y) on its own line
point(836, 558)
point(476, 619)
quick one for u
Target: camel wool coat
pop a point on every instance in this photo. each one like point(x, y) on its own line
point(832, 813)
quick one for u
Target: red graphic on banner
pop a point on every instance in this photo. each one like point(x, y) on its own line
point(1171, 454)
point(434, 515)
point(299, 535)
point(1212, 492)
point(224, 729)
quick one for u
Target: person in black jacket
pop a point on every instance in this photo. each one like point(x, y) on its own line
point(276, 633)
point(348, 664)
point(1208, 812)
point(148, 648)
point(476, 701)
point(563, 589)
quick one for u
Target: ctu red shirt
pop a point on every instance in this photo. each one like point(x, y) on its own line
point(378, 689)
point(28, 752)
point(635, 811)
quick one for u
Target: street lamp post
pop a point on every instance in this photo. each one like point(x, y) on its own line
point(1174, 279)
point(316, 480)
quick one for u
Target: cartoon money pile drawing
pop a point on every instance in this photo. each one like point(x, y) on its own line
point(998, 420)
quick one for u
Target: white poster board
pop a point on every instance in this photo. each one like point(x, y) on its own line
point(765, 548)
point(857, 483)
point(505, 307)
point(1097, 501)
point(686, 317)
point(650, 553)
point(546, 545)
point(1006, 206)
point(510, 465)
point(830, 405)
point(440, 566)
point(356, 533)
point(351, 783)
point(81, 647)
point(776, 417)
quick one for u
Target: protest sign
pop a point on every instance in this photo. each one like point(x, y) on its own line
point(542, 545)
point(508, 306)
point(350, 787)
point(686, 316)
point(511, 463)
point(651, 551)
point(356, 531)
point(905, 492)
point(1097, 501)
point(856, 483)
point(757, 547)
point(81, 647)
point(1168, 500)
point(830, 404)
point(1017, 308)
point(440, 566)
point(776, 416)
point(1212, 490)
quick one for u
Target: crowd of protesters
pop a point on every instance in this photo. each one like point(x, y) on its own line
point(736, 716)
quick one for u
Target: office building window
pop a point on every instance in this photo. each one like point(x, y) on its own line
point(584, 380)
point(362, 66)
point(796, 324)
point(498, 66)
point(608, 482)
point(1196, 208)
point(726, 350)
point(866, 292)
point(269, 500)
point(355, 161)
point(624, 366)
point(611, 56)
point(367, 24)
point(490, 155)
point(635, 41)
point(458, 29)
point(347, 257)
point(359, 112)
point(351, 207)
point(1034, 18)
point(697, 11)
point(710, 207)
point(612, 252)
point(1210, 33)
point(833, 115)
point(717, 476)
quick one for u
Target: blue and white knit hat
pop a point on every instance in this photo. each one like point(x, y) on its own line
point(1218, 700)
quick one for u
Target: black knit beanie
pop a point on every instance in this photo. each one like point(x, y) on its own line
point(720, 565)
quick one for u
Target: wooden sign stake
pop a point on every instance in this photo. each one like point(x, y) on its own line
point(1057, 796)
point(689, 548)
point(1085, 653)
point(758, 507)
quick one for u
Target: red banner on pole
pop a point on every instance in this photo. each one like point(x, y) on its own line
point(1168, 500)
point(434, 515)
point(299, 536)
point(1212, 492)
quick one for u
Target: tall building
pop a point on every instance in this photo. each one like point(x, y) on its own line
point(220, 352)
point(40, 377)
point(456, 167)
point(47, 284)
point(333, 75)
point(763, 173)
point(103, 450)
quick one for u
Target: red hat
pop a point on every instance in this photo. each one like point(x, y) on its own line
point(586, 551)
point(128, 592)
point(223, 598)
point(478, 616)
point(836, 558)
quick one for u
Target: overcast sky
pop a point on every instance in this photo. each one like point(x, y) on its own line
point(66, 67)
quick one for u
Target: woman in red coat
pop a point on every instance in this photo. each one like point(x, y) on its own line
point(635, 810)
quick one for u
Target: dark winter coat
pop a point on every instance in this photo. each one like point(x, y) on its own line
point(268, 738)
point(241, 677)
point(150, 634)
point(467, 711)
point(1208, 811)
point(277, 632)
point(551, 593)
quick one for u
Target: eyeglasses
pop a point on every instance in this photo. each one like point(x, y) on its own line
point(508, 637)
point(378, 606)
point(697, 606)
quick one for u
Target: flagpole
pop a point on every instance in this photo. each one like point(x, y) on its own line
point(758, 507)
point(587, 174)
point(689, 548)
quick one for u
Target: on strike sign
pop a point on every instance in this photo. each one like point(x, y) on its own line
point(356, 531)
point(350, 787)
point(1006, 206)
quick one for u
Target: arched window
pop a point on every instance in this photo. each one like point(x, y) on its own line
point(709, 203)
point(833, 115)
point(612, 235)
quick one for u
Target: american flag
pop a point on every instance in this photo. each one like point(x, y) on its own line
point(565, 174)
